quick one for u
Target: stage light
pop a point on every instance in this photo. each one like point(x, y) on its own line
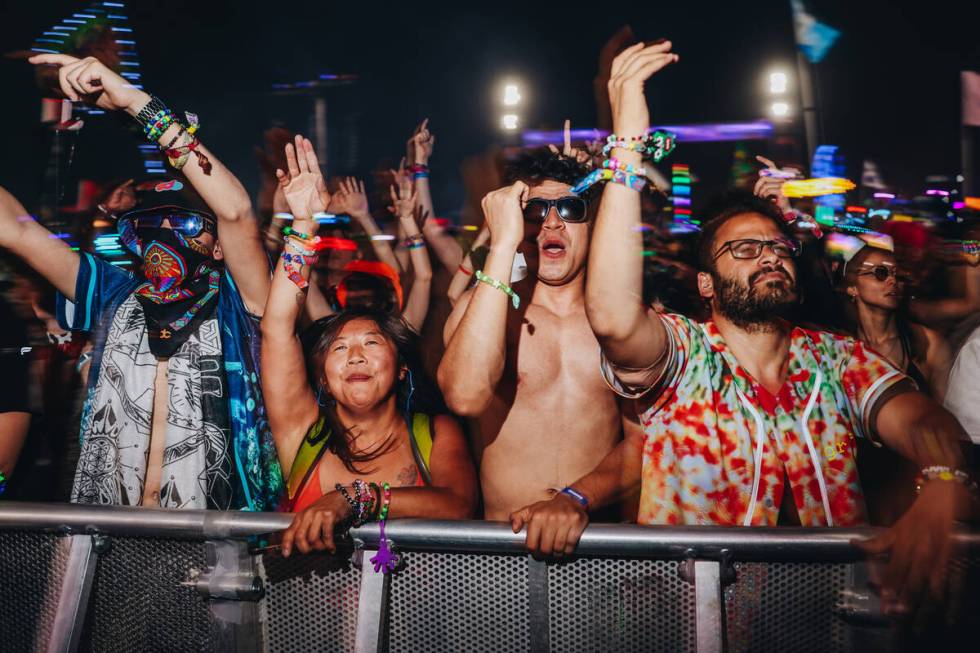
point(509, 121)
point(780, 109)
point(512, 96)
point(777, 83)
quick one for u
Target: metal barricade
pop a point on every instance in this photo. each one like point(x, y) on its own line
point(130, 579)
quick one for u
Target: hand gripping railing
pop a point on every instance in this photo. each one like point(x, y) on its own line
point(707, 550)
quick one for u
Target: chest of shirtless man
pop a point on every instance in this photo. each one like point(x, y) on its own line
point(552, 417)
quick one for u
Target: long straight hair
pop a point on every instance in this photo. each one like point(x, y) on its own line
point(416, 393)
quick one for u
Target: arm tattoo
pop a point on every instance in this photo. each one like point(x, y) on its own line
point(301, 298)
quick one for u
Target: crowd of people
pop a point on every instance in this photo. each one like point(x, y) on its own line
point(280, 363)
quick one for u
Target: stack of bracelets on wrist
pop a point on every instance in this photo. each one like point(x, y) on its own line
point(611, 171)
point(414, 242)
point(370, 502)
point(3, 482)
point(156, 118)
point(656, 145)
point(943, 473)
point(303, 251)
point(419, 171)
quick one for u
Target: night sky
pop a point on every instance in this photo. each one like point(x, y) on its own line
point(889, 88)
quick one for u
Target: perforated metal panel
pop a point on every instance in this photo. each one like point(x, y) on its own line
point(311, 603)
point(785, 607)
point(620, 605)
point(459, 602)
point(32, 566)
point(139, 604)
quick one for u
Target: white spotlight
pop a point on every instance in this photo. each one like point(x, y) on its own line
point(780, 109)
point(777, 83)
point(509, 121)
point(512, 96)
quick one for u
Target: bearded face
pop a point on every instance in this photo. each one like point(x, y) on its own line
point(769, 293)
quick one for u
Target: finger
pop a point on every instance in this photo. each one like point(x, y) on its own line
point(361, 188)
point(424, 125)
point(289, 537)
point(533, 541)
point(574, 535)
point(757, 189)
point(302, 543)
point(546, 540)
point(642, 55)
point(876, 545)
point(326, 535)
point(300, 156)
point(766, 162)
point(52, 59)
point(623, 57)
point(291, 166)
point(281, 176)
point(310, 153)
point(554, 150)
point(313, 532)
point(90, 79)
point(568, 137)
point(517, 520)
point(561, 539)
point(394, 197)
point(647, 67)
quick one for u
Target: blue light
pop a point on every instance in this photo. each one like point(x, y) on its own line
point(121, 29)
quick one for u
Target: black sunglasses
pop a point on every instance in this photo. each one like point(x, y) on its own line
point(748, 248)
point(882, 272)
point(188, 223)
point(570, 209)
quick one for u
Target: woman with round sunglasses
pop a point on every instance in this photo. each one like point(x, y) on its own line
point(876, 310)
point(875, 287)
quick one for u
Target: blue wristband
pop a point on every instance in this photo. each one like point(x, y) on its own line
point(577, 496)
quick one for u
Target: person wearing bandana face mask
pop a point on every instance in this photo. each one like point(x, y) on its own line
point(173, 415)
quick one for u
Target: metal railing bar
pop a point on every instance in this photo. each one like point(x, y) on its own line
point(774, 544)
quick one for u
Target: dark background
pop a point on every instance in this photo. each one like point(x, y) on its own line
point(889, 88)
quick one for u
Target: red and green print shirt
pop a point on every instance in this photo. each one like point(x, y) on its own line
point(715, 438)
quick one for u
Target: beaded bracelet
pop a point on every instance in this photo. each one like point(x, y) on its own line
point(501, 286)
point(463, 269)
point(365, 500)
point(633, 182)
point(613, 163)
point(355, 509)
point(296, 247)
point(657, 144)
point(386, 501)
point(293, 272)
point(3, 482)
point(944, 473)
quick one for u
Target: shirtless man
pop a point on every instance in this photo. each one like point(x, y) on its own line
point(528, 373)
point(171, 413)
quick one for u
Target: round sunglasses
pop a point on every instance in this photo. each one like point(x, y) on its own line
point(570, 209)
point(186, 222)
point(882, 272)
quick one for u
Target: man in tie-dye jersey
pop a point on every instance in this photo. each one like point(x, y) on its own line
point(749, 420)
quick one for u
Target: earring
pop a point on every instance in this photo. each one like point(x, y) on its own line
point(410, 393)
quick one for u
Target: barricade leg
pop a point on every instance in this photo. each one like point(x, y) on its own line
point(73, 597)
point(710, 606)
point(372, 606)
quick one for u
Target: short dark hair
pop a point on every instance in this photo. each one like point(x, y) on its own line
point(724, 207)
point(540, 164)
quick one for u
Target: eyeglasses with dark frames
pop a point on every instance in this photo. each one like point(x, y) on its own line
point(750, 248)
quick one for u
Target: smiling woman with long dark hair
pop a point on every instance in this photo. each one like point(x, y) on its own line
point(353, 419)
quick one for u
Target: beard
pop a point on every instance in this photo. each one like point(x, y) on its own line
point(757, 307)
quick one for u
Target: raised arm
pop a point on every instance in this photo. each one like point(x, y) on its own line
point(352, 199)
point(405, 205)
point(476, 332)
point(50, 256)
point(289, 400)
point(464, 273)
point(420, 147)
point(629, 336)
point(90, 80)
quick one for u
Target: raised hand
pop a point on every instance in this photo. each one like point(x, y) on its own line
point(404, 200)
point(302, 184)
point(350, 198)
point(771, 186)
point(580, 156)
point(630, 69)
point(91, 81)
point(421, 144)
point(504, 211)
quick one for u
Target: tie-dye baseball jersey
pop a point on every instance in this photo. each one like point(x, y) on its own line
point(708, 422)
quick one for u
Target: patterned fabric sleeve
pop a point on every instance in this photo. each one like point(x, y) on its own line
point(635, 383)
point(867, 379)
point(96, 281)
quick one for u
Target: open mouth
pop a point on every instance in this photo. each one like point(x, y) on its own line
point(552, 248)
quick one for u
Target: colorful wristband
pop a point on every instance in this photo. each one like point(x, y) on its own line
point(501, 286)
point(576, 495)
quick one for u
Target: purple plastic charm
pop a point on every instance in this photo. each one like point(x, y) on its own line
point(385, 560)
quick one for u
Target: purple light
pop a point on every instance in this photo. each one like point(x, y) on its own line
point(705, 133)
point(682, 201)
point(936, 191)
point(959, 205)
point(884, 196)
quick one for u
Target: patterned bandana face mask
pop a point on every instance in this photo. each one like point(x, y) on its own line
point(180, 290)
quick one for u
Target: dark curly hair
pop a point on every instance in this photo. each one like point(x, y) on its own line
point(541, 164)
point(724, 207)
